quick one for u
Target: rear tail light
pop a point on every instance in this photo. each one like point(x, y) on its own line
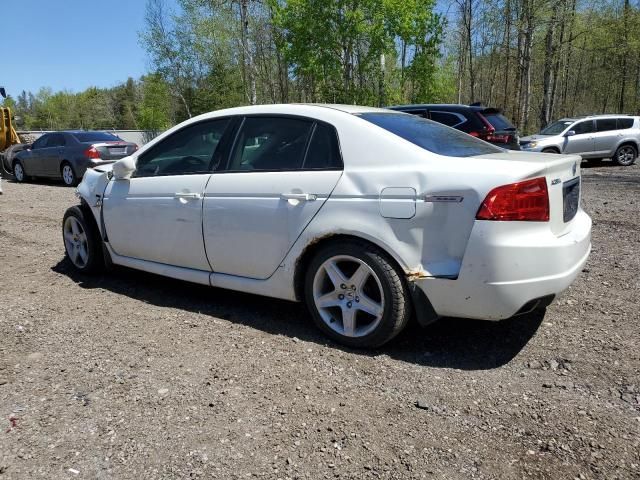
point(498, 138)
point(91, 152)
point(522, 201)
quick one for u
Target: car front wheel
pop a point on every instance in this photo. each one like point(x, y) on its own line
point(81, 241)
point(625, 155)
point(18, 172)
point(356, 295)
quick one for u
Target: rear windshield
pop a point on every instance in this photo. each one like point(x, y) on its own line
point(557, 128)
point(431, 136)
point(499, 121)
point(84, 137)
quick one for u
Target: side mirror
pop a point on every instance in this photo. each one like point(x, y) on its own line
point(570, 133)
point(124, 167)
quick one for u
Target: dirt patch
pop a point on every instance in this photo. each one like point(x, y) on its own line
point(129, 375)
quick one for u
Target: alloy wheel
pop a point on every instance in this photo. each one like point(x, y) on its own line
point(18, 172)
point(75, 242)
point(67, 175)
point(348, 296)
point(626, 155)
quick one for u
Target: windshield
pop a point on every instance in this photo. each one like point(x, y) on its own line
point(84, 137)
point(557, 128)
point(431, 136)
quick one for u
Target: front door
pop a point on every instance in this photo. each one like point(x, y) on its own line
point(583, 140)
point(279, 174)
point(157, 214)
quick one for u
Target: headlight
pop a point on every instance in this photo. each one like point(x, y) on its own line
point(531, 145)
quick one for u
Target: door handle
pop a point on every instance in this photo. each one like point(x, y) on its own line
point(187, 195)
point(303, 197)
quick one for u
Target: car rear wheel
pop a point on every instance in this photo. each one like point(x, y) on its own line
point(18, 172)
point(82, 242)
point(356, 295)
point(625, 155)
point(68, 175)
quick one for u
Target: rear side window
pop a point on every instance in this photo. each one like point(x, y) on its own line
point(431, 136)
point(270, 143)
point(624, 123)
point(446, 118)
point(86, 137)
point(606, 124)
point(323, 151)
point(583, 127)
point(498, 121)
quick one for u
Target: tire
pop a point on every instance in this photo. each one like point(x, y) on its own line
point(82, 243)
point(550, 150)
point(68, 175)
point(358, 280)
point(625, 155)
point(18, 172)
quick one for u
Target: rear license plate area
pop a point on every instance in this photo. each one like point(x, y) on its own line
point(117, 151)
point(571, 196)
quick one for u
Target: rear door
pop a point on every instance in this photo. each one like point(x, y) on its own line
point(606, 136)
point(157, 214)
point(279, 174)
point(583, 142)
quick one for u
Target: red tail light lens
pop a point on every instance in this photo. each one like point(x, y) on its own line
point(91, 152)
point(498, 138)
point(522, 201)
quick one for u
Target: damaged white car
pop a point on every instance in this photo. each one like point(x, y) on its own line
point(368, 216)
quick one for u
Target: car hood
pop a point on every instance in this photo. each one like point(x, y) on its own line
point(533, 138)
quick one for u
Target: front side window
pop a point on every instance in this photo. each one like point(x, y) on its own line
point(270, 143)
point(41, 142)
point(56, 140)
point(556, 128)
point(606, 124)
point(187, 151)
point(583, 127)
point(431, 136)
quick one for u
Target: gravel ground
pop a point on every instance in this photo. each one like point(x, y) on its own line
point(129, 375)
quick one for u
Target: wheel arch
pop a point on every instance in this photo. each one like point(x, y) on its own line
point(628, 141)
point(314, 246)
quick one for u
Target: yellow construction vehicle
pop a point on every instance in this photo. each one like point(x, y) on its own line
point(10, 141)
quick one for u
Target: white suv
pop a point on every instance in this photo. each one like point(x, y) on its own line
point(594, 137)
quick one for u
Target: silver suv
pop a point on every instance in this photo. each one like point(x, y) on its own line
point(594, 137)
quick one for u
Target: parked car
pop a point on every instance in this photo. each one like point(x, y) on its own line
point(593, 137)
point(365, 214)
point(488, 124)
point(67, 155)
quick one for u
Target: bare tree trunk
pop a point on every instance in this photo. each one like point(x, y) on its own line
point(545, 110)
point(625, 54)
point(507, 52)
point(246, 53)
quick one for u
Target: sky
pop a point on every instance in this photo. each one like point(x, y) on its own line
point(74, 44)
point(70, 44)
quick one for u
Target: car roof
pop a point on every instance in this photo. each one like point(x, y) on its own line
point(450, 106)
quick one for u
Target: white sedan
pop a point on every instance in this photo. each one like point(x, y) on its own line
point(367, 215)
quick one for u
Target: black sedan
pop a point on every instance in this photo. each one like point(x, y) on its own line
point(68, 154)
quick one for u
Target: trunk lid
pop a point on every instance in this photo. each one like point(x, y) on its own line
point(114, 150)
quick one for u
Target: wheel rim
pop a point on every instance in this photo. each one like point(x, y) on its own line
point(626, 155)
point(75, 242)
point(67, 174)
point(348, 295)
point(18, 172)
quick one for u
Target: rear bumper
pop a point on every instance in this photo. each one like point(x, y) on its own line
point(509, 264)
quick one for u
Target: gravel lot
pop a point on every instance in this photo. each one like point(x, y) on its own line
point(129, 375)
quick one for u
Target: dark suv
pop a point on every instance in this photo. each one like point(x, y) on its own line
point(488, 124)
